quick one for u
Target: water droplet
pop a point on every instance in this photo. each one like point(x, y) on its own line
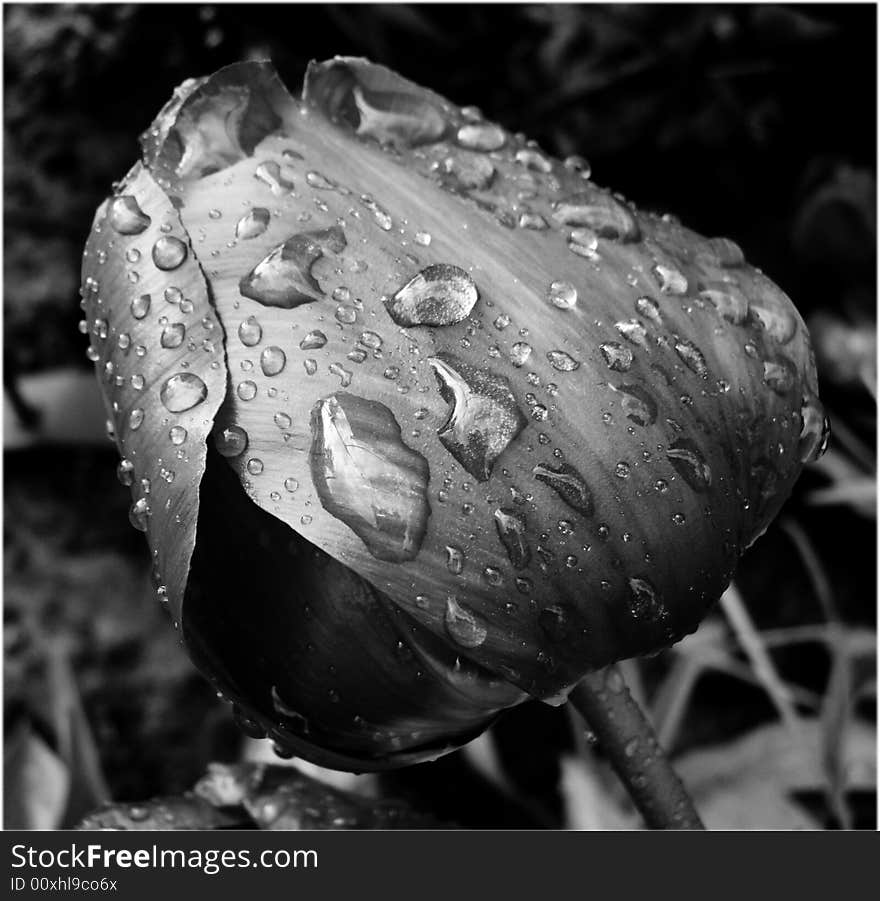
point(693, 357)
point(126, 216)
point(173, 335)
point(560, 360)
point(291, 485)
point(650, 309)
point(501, 322)
point(454, 559)
point(346, 315)
point(780, 375)
point(139, 514)
point(380, 215)
point(310, 366)
point(670, 279)
point(319, 181)
point(135, 419)
point(253, 224)
point(602, 213)
point(484, 419)
point(493, 576)
point(579, 165)
point(371, 340)
point(729, 303)
point(169, 252)
point(562, 295)
point(533, 221)
point(255, 466)
point(345, 376)
point(272, 360)
point(177, 435)
point(617, 357)
point(313, 340)
point(569, 484)
point(246, 390)
point(645, 603)
point(462, 625)
point(140, 306)
point(231, 441)
point(439, 295)
point(269, 172)
point(132, 255)
point(482, 136)
point(534, 160)
point(678, 518)
point(125, 472)
point(690, 464)
point(637, 404)
point(422, 238)
point(728, 253)
point(250, 332)
point(367, 477)
point(585, 243)
point(511, 527)
point(283, 278)
point(633, 331)
point(182, 392)
point(815, 430)
point(519, 353)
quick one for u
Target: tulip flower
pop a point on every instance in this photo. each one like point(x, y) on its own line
point(420, 422)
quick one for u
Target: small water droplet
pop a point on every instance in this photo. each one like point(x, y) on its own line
point(345, 375)
point(637, 404)
point(255, 466)
point(246, 390)
point(568, 483)
point(780, 375)
point(231, 441)
point(269, 172)
point(815, 430)
point(139, 513)
point(125, 472)
point(693, 357)
point(169, 252)
point(600, 212)
point(645, 602)
point(520, 353)
point(650, 309)
point(135, 419)
point(250, 332)
point(670, 279)
point(319, 181)
point(562, 295)
point(454, 559)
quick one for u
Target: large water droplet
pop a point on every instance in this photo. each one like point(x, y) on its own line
point(250, 332)
point(692, 356)
point(562, 361)
point(815, 430)
point(140, 306)
point(569, 484)
point(439, 295)
point(670, 279)
point(780, 375)
point(313, 340)
point(562, 295)
point(462, 625)
point(511, 527)
point(633, 331)
point(484, 418)
point(367, 477)
point(269, 172)
point(617, 357)
point(272, 361)
point(483, 136)
point(283, 278)
point(173, 335)
point(728, 301)
point(638, 406)
point(231, 441)
point(253, 224)
point(689, 463)
point(125, 472)
point(126, 216)
point(169, 252)
point(139, 514)
point(182, 392)
point(602, 213)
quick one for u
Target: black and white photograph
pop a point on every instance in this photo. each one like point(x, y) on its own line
point(439, 417)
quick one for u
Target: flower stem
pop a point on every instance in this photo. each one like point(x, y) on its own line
point(628, 740)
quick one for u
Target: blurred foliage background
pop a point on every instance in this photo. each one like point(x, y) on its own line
point(755, 122)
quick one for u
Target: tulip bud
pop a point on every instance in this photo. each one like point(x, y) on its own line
point(419, 421)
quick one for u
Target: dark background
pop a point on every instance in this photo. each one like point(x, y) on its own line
point(755, 122)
